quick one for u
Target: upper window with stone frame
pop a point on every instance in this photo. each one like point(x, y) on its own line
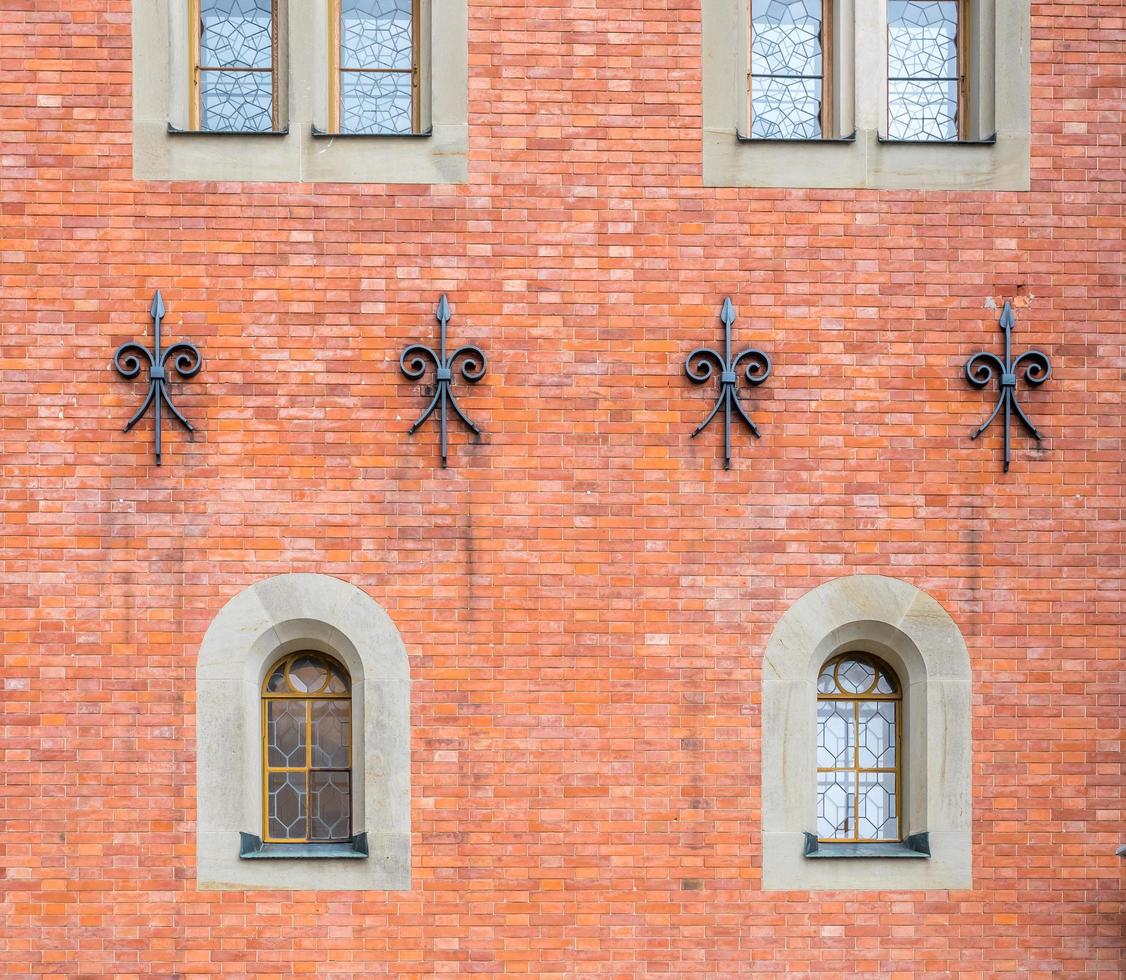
point(233, 66)
point(926, 70)
point(375, 67)
point(789, 84)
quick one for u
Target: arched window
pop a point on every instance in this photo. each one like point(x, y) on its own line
point(858, 726)
point(306, 727)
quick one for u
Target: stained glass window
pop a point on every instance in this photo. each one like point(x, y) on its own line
point(858, 707)
point(376, 69)
point(233, 76)
point(923, 73)
point(787, 69)
point(307, 735)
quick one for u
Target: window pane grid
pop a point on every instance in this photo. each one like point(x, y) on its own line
point(924, 76)
point(232, 65)
point(787, 68)
point(306, 726)
point(858, 801)
point(375, 67)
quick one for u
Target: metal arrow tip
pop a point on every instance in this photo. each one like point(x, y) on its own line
point(157, 310)
point(1008, 321)
point(727, 314)
point(443, 313)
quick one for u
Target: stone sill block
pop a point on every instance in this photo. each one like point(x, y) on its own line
point(252, 848)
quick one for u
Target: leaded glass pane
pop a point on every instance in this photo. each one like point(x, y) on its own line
point(330, 805)
point(786, 69)
point(826, 682)
point(376, 34)
point(836, 800)
point(786, 37)
point(878, 806)
point(786, 108)
point(836, 736)
point(855, 676)
point(277, 679)
point(885, 683)
point(286, 805)
point(331, 731)
point(338, 682)
point(876, 749)
point(923, 69)
point(237, 101)
point(923, 110)
point(236, 33)
point(375, 102)
point(285, 734)
point(307, 674)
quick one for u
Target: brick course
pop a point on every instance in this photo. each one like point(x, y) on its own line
point(585, 594)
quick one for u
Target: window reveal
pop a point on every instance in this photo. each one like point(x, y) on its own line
point(925, 86)
point(306, 728)
point(232, 81)
point(375, 66)
point(858, 708)
point(788, 77)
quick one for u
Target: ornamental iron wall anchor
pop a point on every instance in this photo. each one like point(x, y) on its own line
point(186, 361)
point(413, 364)
point(699, 368)
point(981, 368)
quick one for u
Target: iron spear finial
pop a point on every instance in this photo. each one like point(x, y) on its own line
point(186, 361)
point(703, 361)
point(413, 360)
point(983, 366)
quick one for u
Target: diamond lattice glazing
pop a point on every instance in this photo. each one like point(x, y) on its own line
point(857, 750)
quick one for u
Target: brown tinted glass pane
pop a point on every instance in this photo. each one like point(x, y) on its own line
point(331, 805)
point(330, 734)
point(307, 674)
point(285, 733)
point(277, 679)
point(287, 805)
point(338, 681)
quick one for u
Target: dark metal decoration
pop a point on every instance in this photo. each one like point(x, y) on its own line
point(699, 368)
point(413, 364)
point(981, 368)
point(129, 358)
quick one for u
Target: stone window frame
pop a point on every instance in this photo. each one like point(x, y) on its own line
point(995, 155)
point(251, 632)
point(918, 639)
point(301, 148)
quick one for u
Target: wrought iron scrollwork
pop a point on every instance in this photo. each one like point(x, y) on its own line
point(473, 366)
point(131, 357)
point(984, 366)
point(702, 364)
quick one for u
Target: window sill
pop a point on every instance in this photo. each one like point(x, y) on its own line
point(851, 138)
point(252, 848)
point(988, 141)
point(323, 134)
point(173, 131)
point(915, 846)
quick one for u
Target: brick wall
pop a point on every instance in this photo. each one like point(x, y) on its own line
point(586, 593)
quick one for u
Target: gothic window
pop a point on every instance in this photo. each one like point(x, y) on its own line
point(788, 79)
point(375, 66)
point(307, 725)
point(233, 57)
point(925, 81)
point(858, 724)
